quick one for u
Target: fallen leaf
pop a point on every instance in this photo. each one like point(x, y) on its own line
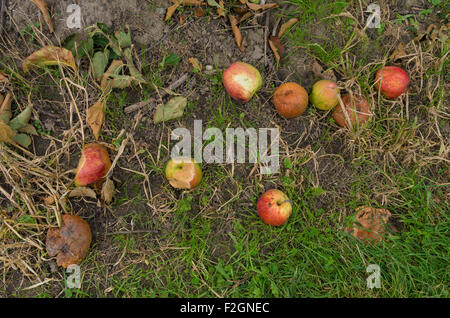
point(22, 119)
point(172, 110)
point(112, 79)
point(82, 192)
point(198, 12)
point(286, 26)
point(108, 190)
point(318, 71)
point(257, 7)
point(277, 48)
point(195, 63)
point(6, 132)
point(22, 139)
point(5, 108)
point(236, 30)
point(399, 52)
point(221, 12)
point(95, 118)
point(171, 10)
point(3, 77)
point(44, 7)
point(182, 19)
point(49, 55)
point(29, 130)
point(370, 223)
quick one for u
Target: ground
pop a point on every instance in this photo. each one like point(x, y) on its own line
point(157, 241)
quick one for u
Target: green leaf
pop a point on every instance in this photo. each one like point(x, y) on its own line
point(99, 64)
point(172, 110)
point(171, 60)
point(123, 39)
point(22, 139)
point(22, 119)
point(77, 43)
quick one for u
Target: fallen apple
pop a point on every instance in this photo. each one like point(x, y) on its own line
point(274, 207)
point(241, 81)
point(94, 164)
point(324, 94)
point(356, 111)
point(71, 242)
point(290, 100)
point(183, 173)
point(392, 81)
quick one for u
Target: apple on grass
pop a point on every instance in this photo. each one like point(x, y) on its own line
point(392, 81)
point(324, 94)
point(274, 207)
point(290, 100)
point(94, 164)
point(241, 81)
point(183, 173)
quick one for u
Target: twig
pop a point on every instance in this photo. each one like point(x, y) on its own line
point(2, 16)
point(163, 93)
point(132, 232)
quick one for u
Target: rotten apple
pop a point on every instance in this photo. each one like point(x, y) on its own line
point(241, 81)
point(290, 100)
point(324, 94)
point(274, 207)
point(392, 81)
point(183, 173)
point(93, 166)
point(356, 111)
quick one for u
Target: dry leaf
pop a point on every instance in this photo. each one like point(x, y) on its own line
point(182, 19)
point(399, 52)
point(44, 7)
point(257, 7)
point(286, 26)
point(110, 80)
point(49, 55)
point(236, 30)
point(95, 118)
point(108, 190)
point(3, 78)
point(221, 11)
point(6, 132)
point(317, 70)
point(198, 12)
point(370, 223)
point(171, 10)
point(277, 48)
point(195, 63)
point(82, 192)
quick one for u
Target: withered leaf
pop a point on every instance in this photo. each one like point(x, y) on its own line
point(171, 10)
point(108, 190)
point(49, 55)
point(5, 108)
point(3, 77)
point(82, 192)
point(112, 79)
point(257, 7)
point(44, 7)
point(95, 118)
point(286, 26)
point(221, 12)
point(398, 53)
point(236, 30)
point(195, 63)
point(6, 132)
point(172, 110)
point(318, 71)
point(277, 48)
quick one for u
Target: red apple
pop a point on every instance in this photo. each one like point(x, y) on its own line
point(357, 109)
point(94, 164)
point(274, 207)
point(242, 81)
point(290, 100)
point(393, 80)
point(183, 173)
point(324, 94)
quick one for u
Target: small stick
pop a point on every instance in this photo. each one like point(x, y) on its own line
point(163, 93)
point(2, 16)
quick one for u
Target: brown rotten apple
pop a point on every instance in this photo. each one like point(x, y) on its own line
point(324, 94)
point(183, 173)
point(71, 242)
point(392, 81)
point(290, 100)
point(241, 81)
point(274, 207)
point(94, 164)
point(356, 111)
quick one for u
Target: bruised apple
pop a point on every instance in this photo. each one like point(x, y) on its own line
point(324, 94)
point(274, 207)
point(356, 111)
point(183, 173)
point(94, 164)
point(392, 81)
point(71, 242)
point(241, 81)
point(290, 100)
